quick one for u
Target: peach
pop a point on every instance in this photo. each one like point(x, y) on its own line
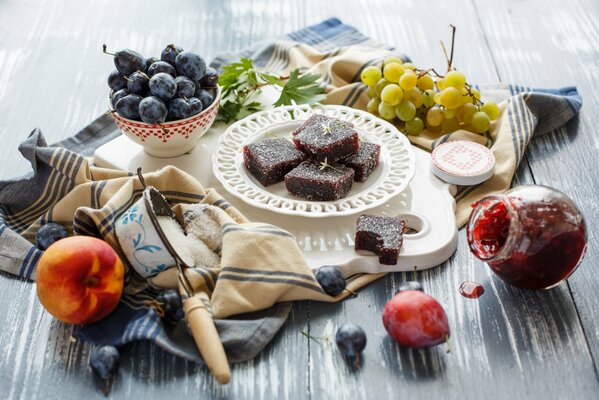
point(79, 279)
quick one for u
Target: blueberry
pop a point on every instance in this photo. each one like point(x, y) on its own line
point(128, 106)
point(178, 109)
point(351, 341)
point(205, 97)
point(138, 82)
point(116, 81)
point(150, 61)
point(163, 85)
point(331, 279)
point(161, 66)
point(119, 94)
point(152, 110)
point(170, 306)
point(185, 87)
point(210, 78)
point(48, 234)
point(196, 105)
point(170, 52)
point(410, 285)
point(128, 61)
point(191, 65)
point(104, 361)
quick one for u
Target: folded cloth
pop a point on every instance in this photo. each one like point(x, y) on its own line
point(254, 272)
point(339, 53)
point(247, 268)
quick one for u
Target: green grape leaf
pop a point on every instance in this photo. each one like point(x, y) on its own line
point(302, 89)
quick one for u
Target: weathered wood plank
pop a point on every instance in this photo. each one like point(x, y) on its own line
point(560, 49)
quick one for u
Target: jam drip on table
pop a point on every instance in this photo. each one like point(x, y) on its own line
point(471, 290)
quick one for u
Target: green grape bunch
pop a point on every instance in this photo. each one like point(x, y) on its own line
point(417, 99)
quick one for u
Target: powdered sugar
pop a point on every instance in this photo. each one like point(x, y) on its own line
point(192, 250)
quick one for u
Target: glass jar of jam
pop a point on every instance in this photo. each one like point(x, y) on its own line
point(532, 237)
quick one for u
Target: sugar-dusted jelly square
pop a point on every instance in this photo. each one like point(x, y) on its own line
point(364, 161)
point(270, 159)
point(381, 235)
point(319, 182)
point(328, 138)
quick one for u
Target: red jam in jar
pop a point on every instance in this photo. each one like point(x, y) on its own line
point(532, 237)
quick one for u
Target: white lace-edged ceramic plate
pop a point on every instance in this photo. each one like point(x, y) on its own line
point(393, 174)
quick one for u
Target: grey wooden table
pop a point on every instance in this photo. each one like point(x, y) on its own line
point(508, 344)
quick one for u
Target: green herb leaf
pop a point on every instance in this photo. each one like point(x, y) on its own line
point(233, 71)
point(301, 89)
point(240, 80)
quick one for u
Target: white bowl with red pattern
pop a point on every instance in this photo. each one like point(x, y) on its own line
point(172, 138)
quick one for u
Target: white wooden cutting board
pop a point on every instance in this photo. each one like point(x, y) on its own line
point(427, 204)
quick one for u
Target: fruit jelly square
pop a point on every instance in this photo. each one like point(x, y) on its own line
point(381, 235)
point(270, 159)
point(326, 138)
point(364, 161)
point(311, 181)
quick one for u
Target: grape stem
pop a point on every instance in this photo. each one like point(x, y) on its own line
point(104, 47)
point(450, 57)
point(476, 101)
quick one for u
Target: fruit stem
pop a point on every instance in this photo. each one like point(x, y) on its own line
point(310, 337)
point(476, 101)
point(447, 343)
point(453, 29)
point(163, 128)
point(106, 389)
point(357, 361)
point(90, 281)
point(158, 306)
point(104, 50)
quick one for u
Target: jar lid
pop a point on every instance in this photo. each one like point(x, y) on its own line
point(462, 162)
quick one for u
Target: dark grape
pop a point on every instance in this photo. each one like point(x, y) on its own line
point(178, 109)
point(150, 61)
point(128, 106)
point(185, 87)
point(105, 361)
point(138, 82)
point(161, 66)
point(169, 302)
point(128, 61)
point(331, 279)
point(152, 110)
point(205, 97)
point(351, 341)
point(191, 65)
point(170, 52)
point(210, 78)
point(116, 81)
point(163, 85)
point(195, 104)
point(48, 234)
point(119, 94)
